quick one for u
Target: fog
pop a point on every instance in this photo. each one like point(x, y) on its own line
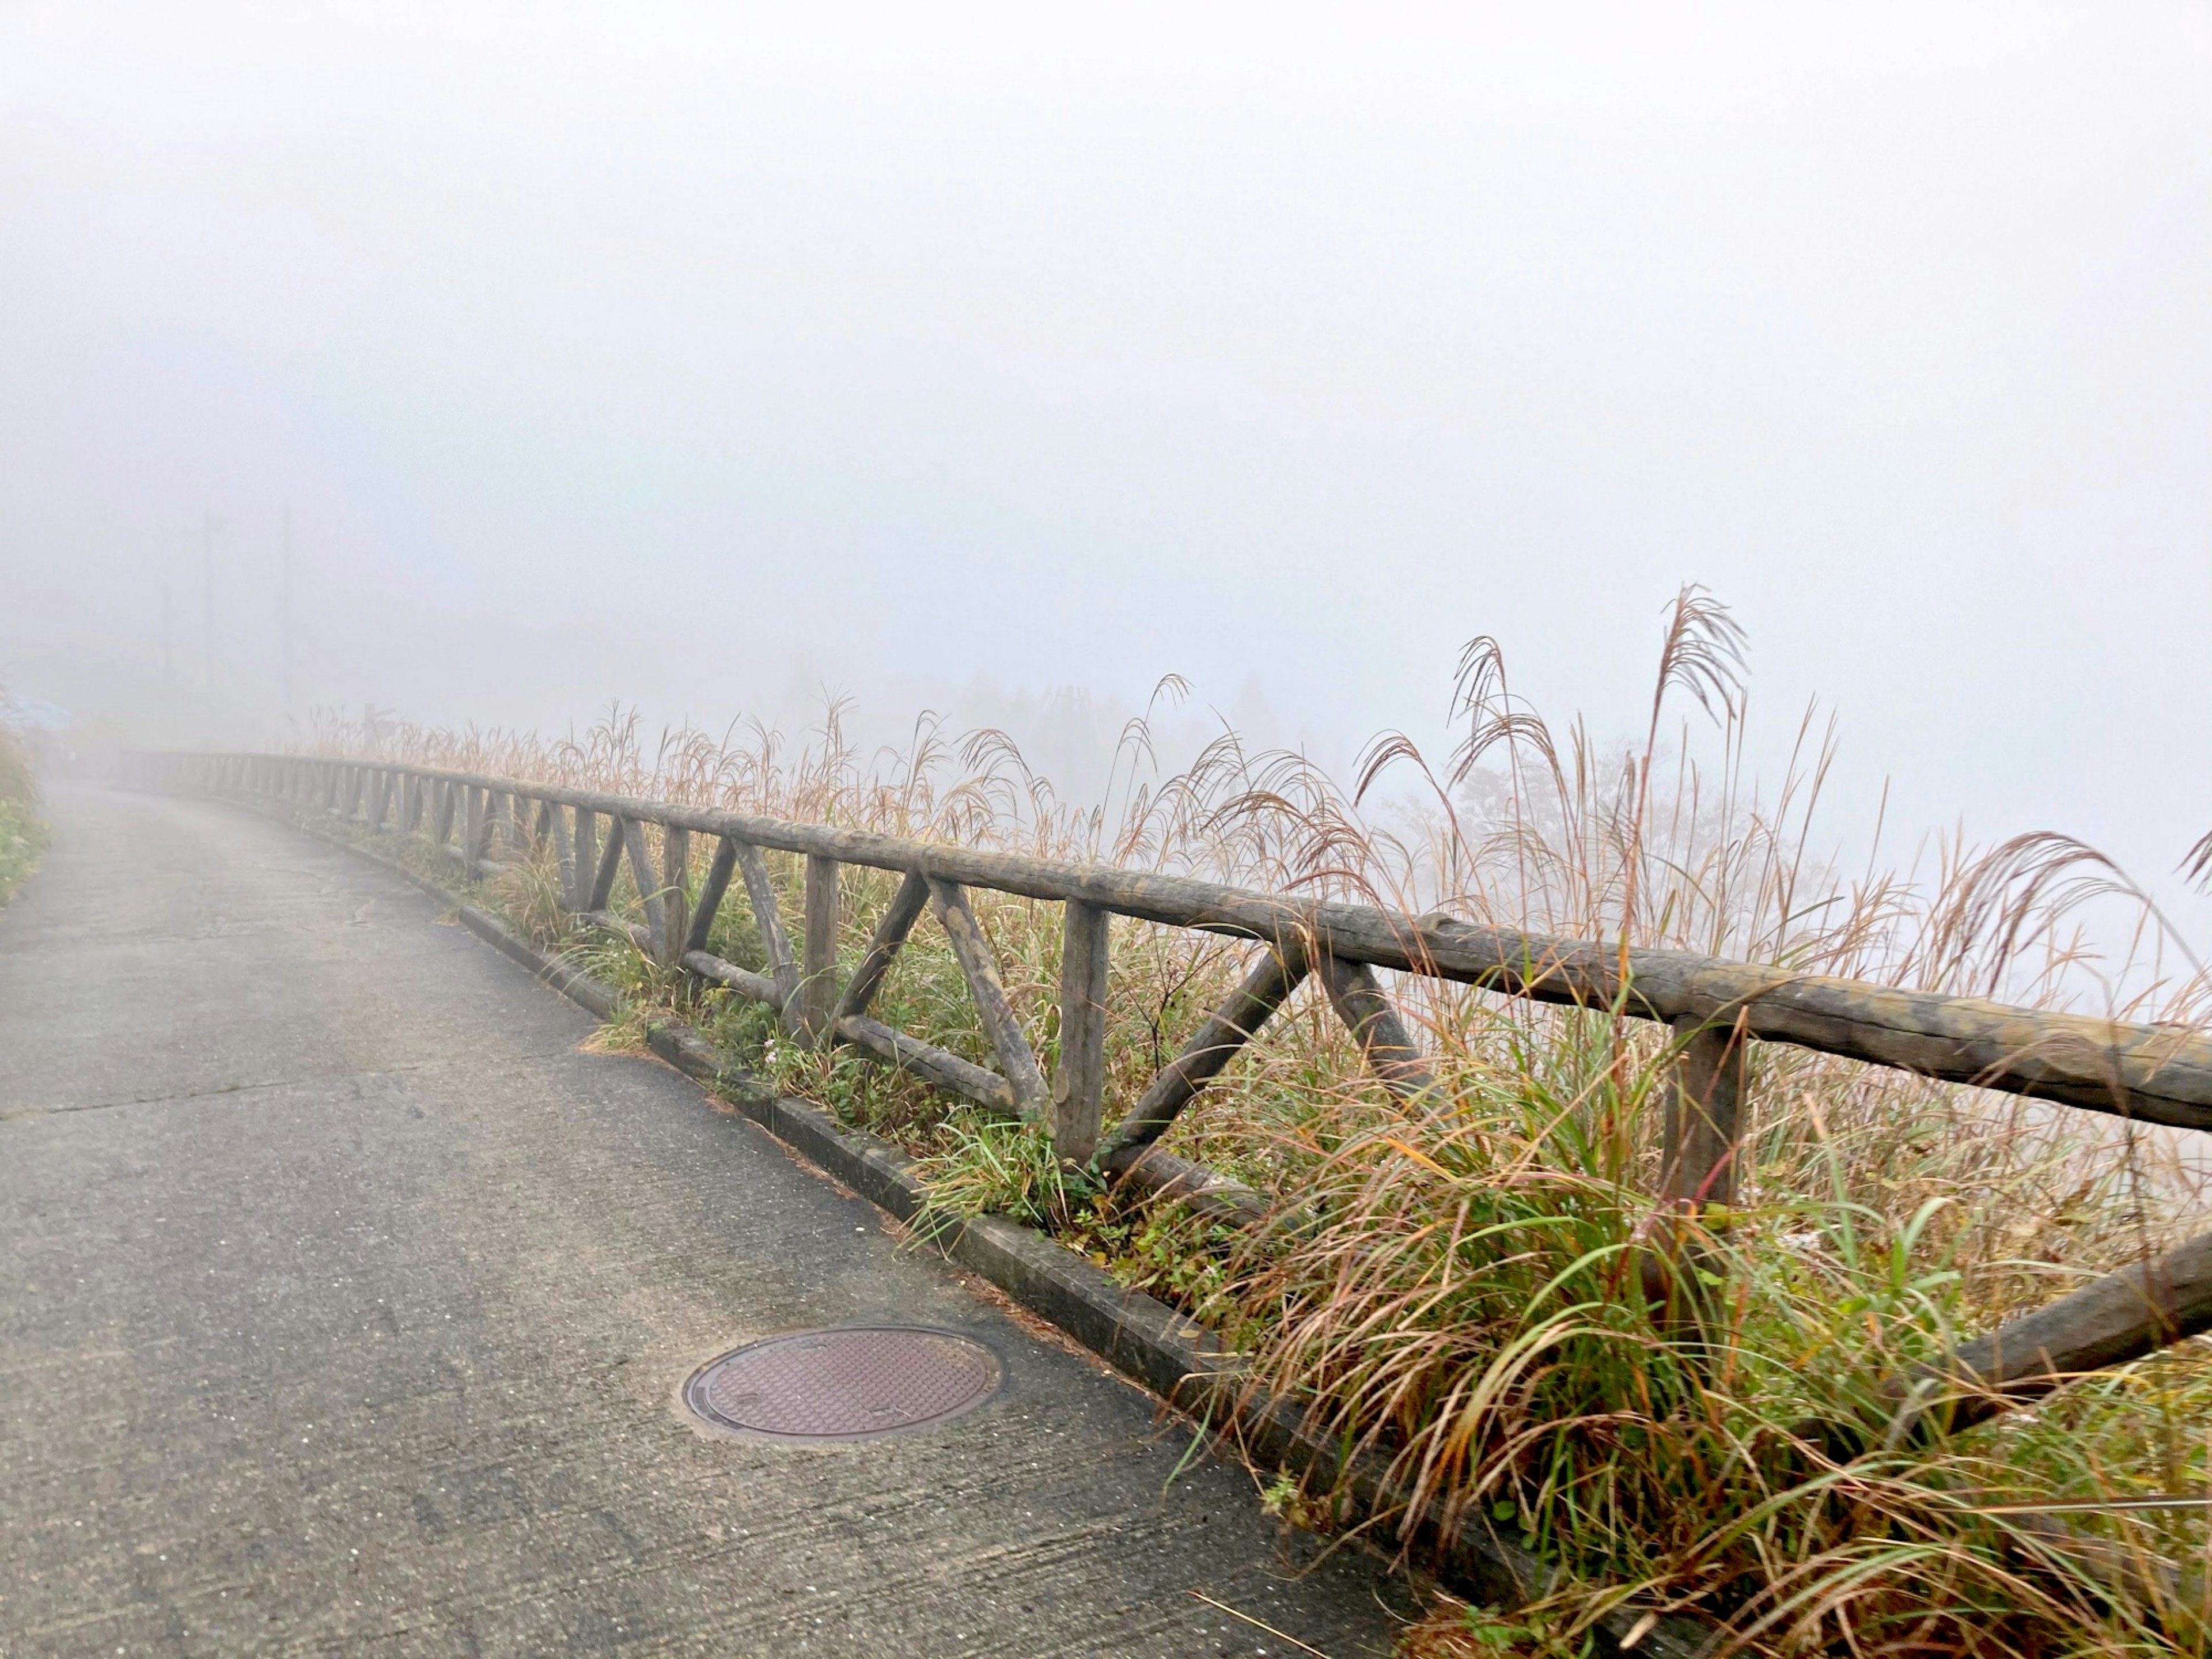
point(1001, 362)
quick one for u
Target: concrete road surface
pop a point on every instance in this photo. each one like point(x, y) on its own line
point(344, 1305)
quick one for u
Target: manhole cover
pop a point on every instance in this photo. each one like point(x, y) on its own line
point(851, 1384)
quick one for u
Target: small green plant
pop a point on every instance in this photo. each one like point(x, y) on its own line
point(987, 1167)
point(1490, 1631)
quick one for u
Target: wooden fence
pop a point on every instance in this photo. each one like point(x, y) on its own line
point(1716, 1008)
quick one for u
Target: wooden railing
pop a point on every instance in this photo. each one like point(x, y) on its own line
point(1716, 1008)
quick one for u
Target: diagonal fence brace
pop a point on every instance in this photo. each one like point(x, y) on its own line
point(1226, 1030)
point(1016, 1059)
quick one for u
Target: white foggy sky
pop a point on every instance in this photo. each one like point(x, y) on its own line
point(700, 355)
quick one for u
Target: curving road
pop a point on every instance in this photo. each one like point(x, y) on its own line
point(345, 1302)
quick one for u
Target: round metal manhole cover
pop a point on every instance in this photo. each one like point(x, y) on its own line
point(850, 1383)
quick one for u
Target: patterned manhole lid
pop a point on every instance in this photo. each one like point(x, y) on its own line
point(850, 1383)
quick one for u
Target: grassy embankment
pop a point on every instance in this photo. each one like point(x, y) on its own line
point(1466, 1301)
point(22, 832)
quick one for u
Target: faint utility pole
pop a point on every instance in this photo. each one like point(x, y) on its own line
point(284, 612)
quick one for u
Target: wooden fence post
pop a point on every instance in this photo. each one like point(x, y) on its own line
point(1697, 1173)
point(818, 966)
point(1079, 1086)
point(476, 839)
point(564, 855)
point(676, 899)
point(1704, 1111)
point(588, 861)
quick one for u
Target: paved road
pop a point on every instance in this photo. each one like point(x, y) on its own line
point(344, 1305)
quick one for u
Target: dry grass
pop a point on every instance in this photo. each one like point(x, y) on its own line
point(1467, 1304)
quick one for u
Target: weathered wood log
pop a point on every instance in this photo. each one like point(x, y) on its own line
point(932, 1064)
point(743, 981)
point(676, 895)
point(564, 852)
point(1078, 1084)
point(476, 844)
point(1227, 1030)
point(413, 809)
point(2124, 1315)
point(615, 924)
point(817, 982)
point(442, 822)
point(1697, 1172)
point(1368, 1013)
point(768, 921)
point(981, 969)
point(603, 878)
point(648, 884)
point(898, 920)
point(1705, 1115)
point(711, 890)
point(583, 898)
point(1159, 1174)
point(2154, 1074)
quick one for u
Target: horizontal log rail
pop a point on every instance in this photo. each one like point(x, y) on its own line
point(2152, 1074)
point(1714, 1008)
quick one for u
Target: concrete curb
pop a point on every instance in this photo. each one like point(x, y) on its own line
point(1142, 1337)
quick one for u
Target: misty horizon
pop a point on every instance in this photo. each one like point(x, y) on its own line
point(1001, 366)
